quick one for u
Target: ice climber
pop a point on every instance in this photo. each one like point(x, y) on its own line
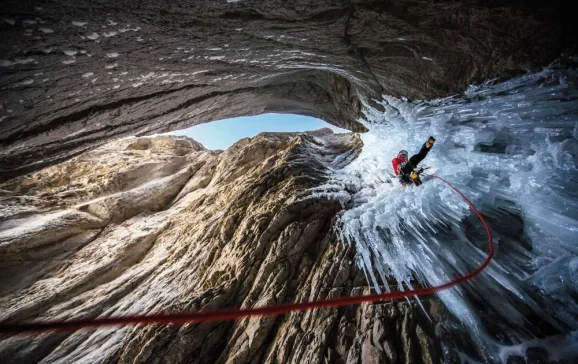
point(405, 169)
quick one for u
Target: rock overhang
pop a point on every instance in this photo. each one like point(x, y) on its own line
point(81, 74)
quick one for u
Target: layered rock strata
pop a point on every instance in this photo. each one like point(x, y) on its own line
point(75, 75)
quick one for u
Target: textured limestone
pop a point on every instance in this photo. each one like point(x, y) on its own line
point(37, 230)
point(240, 232)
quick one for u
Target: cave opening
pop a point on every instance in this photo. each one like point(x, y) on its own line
point(221, 134)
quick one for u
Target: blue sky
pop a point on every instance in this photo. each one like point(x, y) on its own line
point(223, 133)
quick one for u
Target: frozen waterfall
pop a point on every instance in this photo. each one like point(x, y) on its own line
point(512, 148)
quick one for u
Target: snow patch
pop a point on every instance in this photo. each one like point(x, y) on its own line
point(46, 30)
point(6, 63)
point(87, 74)
point(79, 23)
point(70, 52)
point(147, 76)
point(92, 36)
point(110, 66)
point(109, 34)
point(112, 55)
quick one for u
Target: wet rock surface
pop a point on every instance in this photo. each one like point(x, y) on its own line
point(238, 231)
point(74, 75)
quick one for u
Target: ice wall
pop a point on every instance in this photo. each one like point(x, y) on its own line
point(512, 148)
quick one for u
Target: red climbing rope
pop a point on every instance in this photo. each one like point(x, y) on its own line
point(236, 313)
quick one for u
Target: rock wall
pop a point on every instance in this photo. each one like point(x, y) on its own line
point(145, 224)
point(77, 74)
point(158, 224)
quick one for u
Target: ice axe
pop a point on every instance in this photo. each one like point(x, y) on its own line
point(415, 175)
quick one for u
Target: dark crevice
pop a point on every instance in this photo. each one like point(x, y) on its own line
point(362, 57)
point(357, 51)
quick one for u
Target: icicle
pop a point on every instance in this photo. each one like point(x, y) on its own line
point(512, 147)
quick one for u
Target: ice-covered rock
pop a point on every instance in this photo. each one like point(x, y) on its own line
point(510, 147)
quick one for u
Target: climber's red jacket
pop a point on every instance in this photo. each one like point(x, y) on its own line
point(396, 162)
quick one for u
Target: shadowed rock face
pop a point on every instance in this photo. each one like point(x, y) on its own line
point(75, 74)
point(161, 224)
